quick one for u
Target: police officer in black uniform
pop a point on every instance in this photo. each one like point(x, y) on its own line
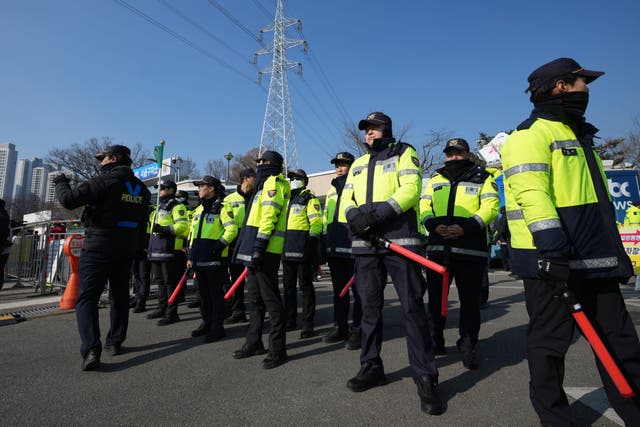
point(115, 219)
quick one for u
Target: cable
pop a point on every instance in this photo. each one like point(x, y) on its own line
point(204, 30)
point(264, 9)
point(233, 19)
point(184, 40)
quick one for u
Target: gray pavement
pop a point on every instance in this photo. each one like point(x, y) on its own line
point(165, 377)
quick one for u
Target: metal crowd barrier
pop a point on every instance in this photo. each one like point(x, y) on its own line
point(36, 257)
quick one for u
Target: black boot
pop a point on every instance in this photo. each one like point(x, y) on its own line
point(429, 400)
point(368, 377)
point(156, 314)
point(91, 360)
point(355, 339)
point(141, 306)
point(336, 334)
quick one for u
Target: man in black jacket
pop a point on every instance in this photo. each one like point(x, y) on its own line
point(115, 217)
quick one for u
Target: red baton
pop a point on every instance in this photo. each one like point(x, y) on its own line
point(425, 262)
point(345, 291)
point(181, 283)
point(237, 283)
point(596, 343)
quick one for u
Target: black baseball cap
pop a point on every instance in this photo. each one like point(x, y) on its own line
point(209, 180)
point(272, 157)
point(298, 173)
point(558, 68)
point(167, 183)
point(456, 144)
point(113, 150)
point(343, 157)
point(375, 118)
point(245, 173)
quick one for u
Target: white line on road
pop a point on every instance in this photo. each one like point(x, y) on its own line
point(595, 399)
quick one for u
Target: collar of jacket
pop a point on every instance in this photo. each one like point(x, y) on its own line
point(542, 113)
point(379, 144)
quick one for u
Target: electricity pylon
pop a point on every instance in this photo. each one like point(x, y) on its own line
point(277, 129)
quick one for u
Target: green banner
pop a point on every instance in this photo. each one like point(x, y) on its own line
point(158, 153)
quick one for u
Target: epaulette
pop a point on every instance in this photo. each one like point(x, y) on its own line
point(399, 148)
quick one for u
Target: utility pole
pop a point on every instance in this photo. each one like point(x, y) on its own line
point(228, 156)
point(277, 128)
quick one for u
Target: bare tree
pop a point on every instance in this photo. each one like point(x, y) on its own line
point(243, 161)
point(80, 158)
point(612, 149)
point(216, 168)
point(431, 151)
point(188, 169)
point(632, 145)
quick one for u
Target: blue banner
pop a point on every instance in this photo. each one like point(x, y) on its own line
point(623, 187)
point(147, 172)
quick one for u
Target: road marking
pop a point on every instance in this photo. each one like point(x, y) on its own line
point(596, 399)
point(29, 302)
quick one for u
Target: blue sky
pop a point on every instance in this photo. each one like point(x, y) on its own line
point(72, 70)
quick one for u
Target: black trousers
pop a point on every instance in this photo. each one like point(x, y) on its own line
point(302, 274)
point(468, 275)
point(341, 270)
point(141, 269)
point(166, 275)
point(263, 293)
point(549, 335)
point(237, 299)
point(210, 284)
point(371, 279)
point(3, 262)
point(94, 269)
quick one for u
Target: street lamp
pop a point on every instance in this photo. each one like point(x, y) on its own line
point(228, 156)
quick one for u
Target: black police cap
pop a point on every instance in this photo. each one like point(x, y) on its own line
point(209, 180)
point(272, 157)
point(246, 173)
point(114, 150)
point(558, 68)
point(343, 157)
point(298, 173)
point(376, 118)
point(456, 144)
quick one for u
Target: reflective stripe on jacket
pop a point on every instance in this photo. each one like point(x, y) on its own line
point(266, 221)
point(335, 230)
point(304, 220)
point(558, 203)
point(388, 184)
point(173, 214)
point(471, 202)
point(207, 227)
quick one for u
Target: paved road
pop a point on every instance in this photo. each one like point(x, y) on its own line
point(168, 378)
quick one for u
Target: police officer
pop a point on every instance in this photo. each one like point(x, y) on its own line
point(238, 201)
point(169, 229)
point(142, 272)
point(381, 197)
point(563, 233)
point(335, 234)
point(212, 228)
point(458, 203)
point(114, 218)
point(304, 226)
point(259, 248)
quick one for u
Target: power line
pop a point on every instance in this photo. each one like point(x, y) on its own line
point(327, 83)
point(204, 30)
point(233, 19)
point(264, 9)
point(184, 40)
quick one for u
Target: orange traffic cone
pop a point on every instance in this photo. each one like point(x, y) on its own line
point(71, 248)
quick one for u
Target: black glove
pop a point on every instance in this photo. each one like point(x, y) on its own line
point(311, 250)
point(553, 269)
point(218, 247)
point(361, 223)
point(60, 178)
point(161, 229)
point(257, 258)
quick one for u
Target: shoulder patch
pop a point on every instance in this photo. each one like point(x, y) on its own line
point(415, 161)
point(316, 206)
point(271, 193)
point(230, 214)
point(181, 212)
point(495, 186)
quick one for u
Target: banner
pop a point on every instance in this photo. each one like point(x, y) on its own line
point(630, 237)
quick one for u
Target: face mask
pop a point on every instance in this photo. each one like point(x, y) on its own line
point(575, 101)
point(296, 183)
